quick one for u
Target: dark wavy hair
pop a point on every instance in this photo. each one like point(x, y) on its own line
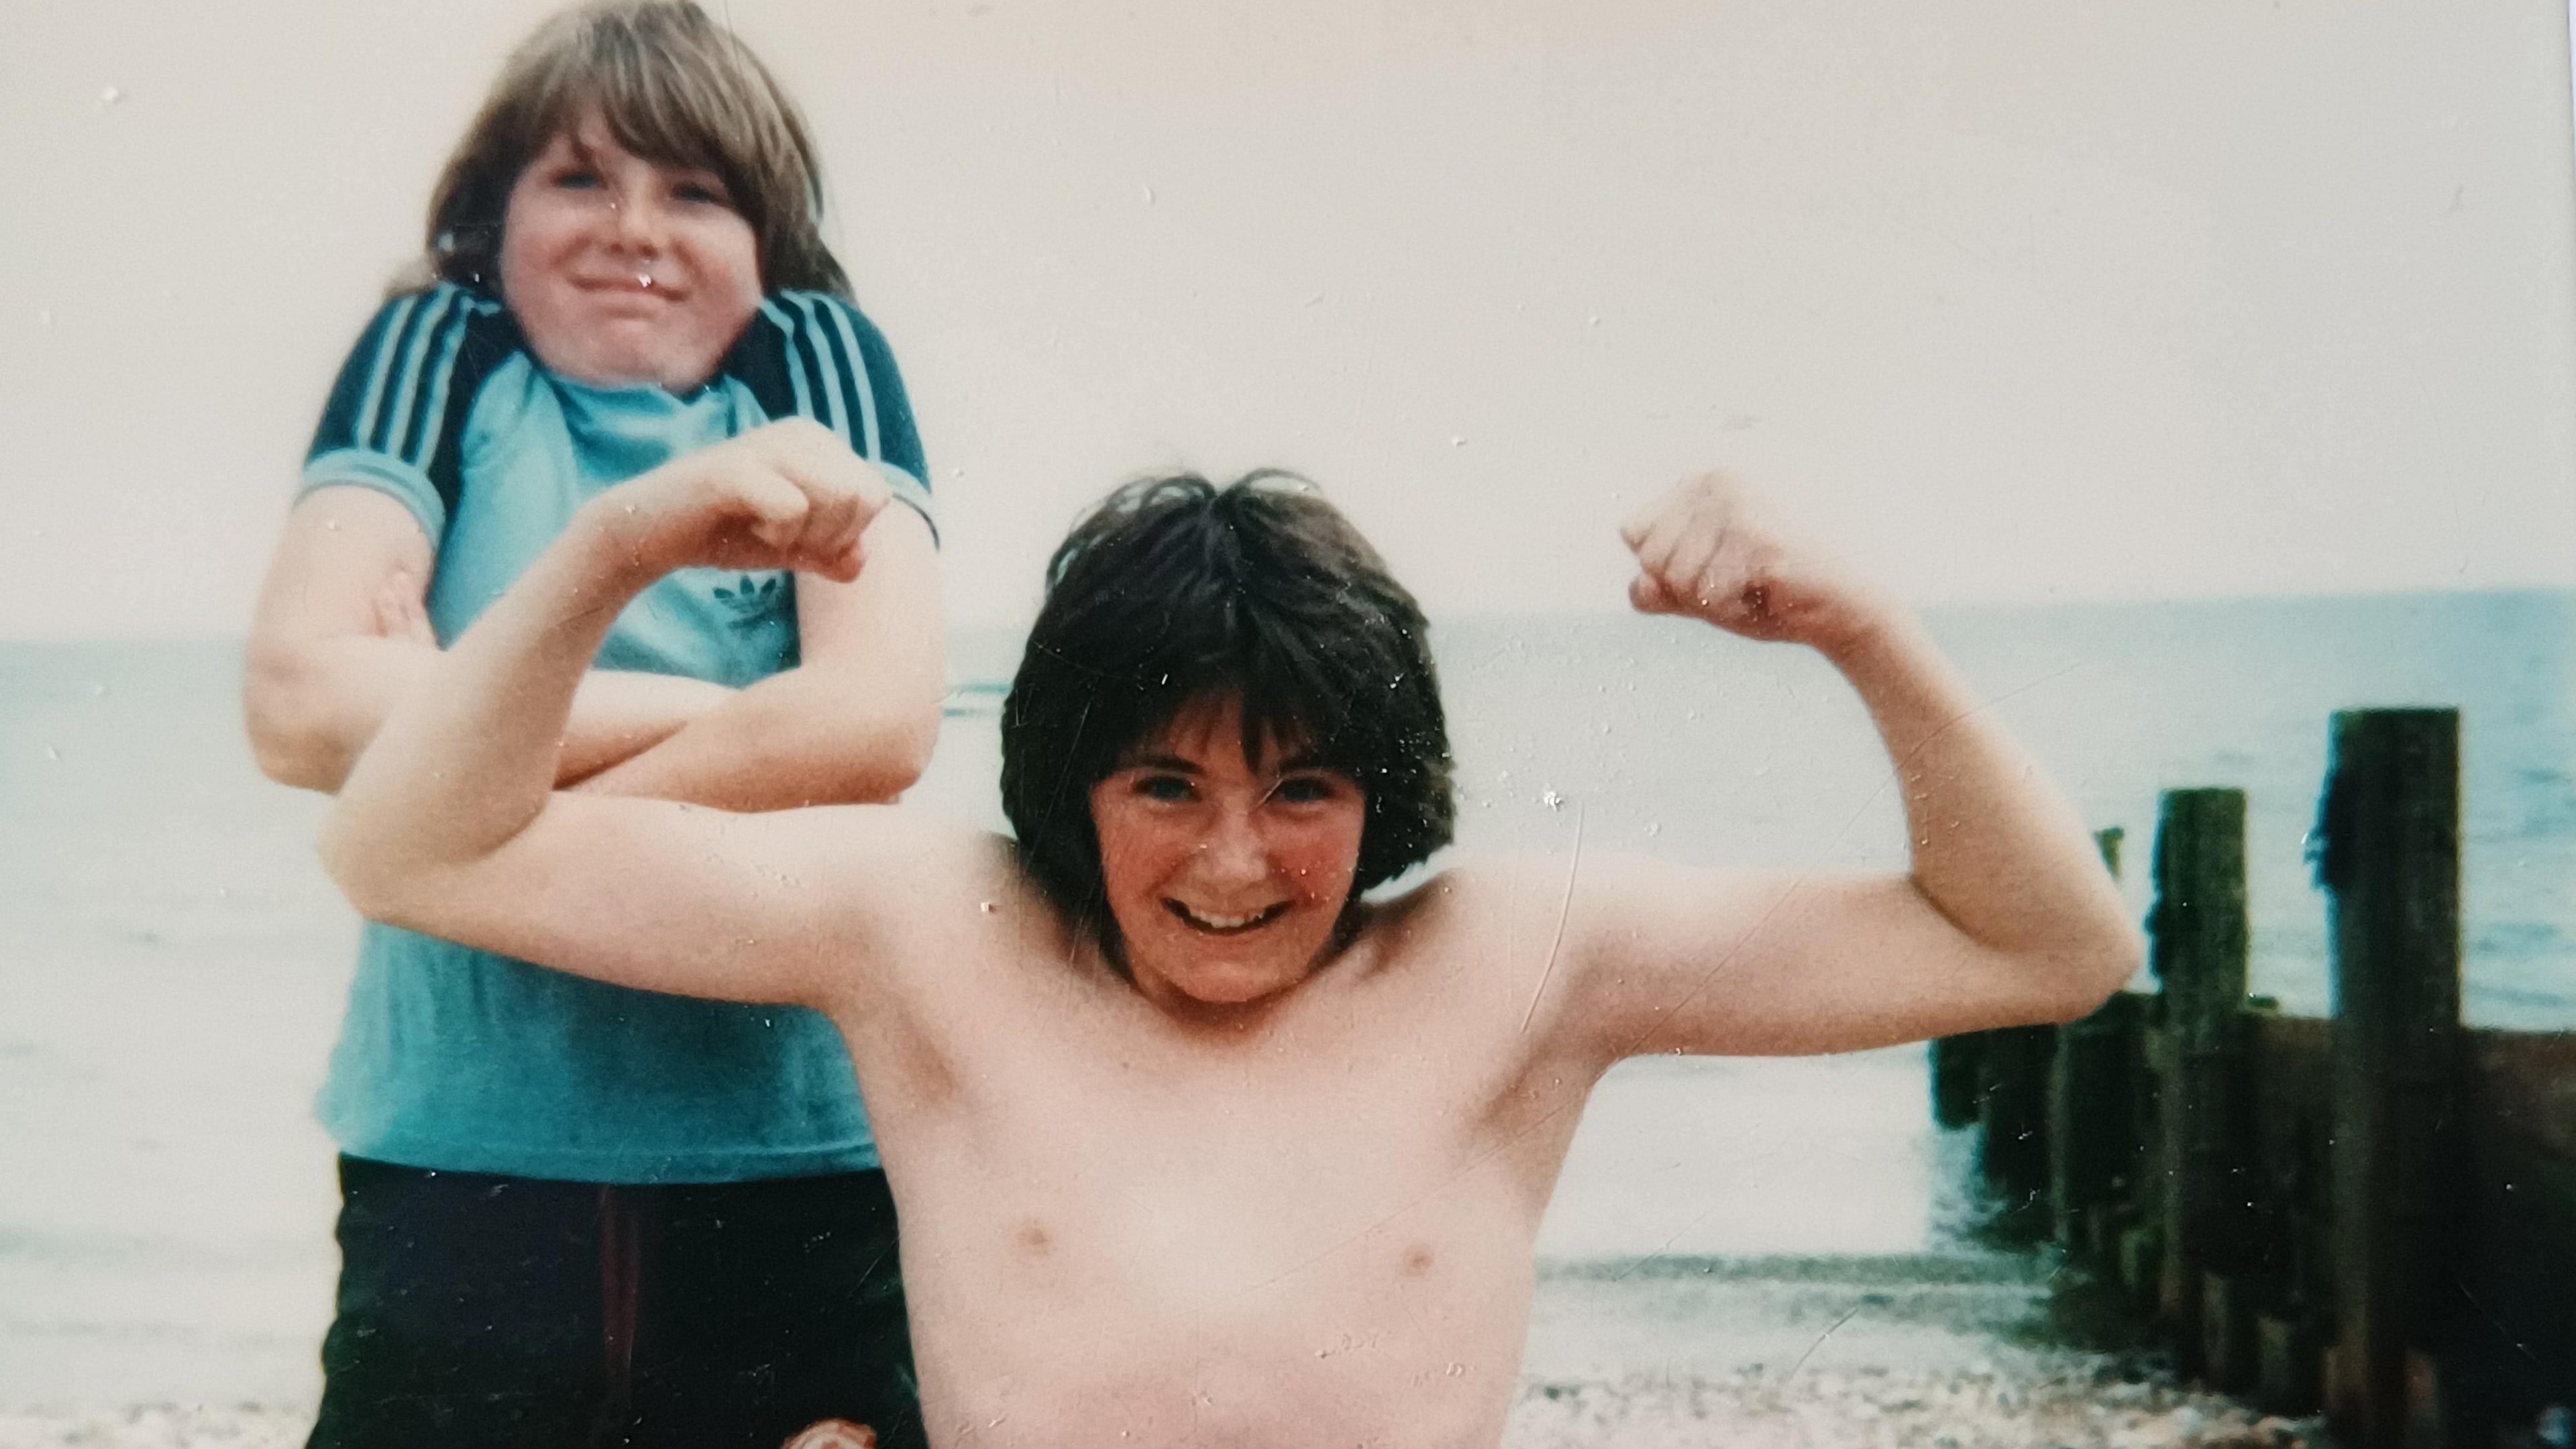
point(674, 88)
point(1176, 590)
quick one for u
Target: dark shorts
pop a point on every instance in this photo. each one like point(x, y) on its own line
point(499, 1312)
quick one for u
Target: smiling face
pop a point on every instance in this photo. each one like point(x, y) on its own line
point(623, 271)
point(1227, 879)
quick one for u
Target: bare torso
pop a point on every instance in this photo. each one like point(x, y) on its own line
point(1309, 1227)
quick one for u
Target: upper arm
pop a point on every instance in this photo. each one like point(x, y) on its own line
point(379, 478)
point(882, 630)
point(1666, 959)
point(341, 547)
point(307, 683)
point(787, 906)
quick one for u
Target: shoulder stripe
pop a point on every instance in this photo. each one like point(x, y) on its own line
point(828, 384)
point(395, 401)
point(854, 364)
point(433, 411)
point(482, 339)
point(793, 364)
point(405, 399)
point(385, 345)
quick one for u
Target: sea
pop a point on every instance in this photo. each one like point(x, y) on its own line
point(173, 963)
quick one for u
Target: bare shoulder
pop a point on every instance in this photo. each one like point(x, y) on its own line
point(909, 890)
point(1534, 922)
point(855, 874)
point(1589, 952)
point(1581, 903)
point(898, 860)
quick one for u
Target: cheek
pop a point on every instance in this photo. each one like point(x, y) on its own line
point(728, 258)
point(1134, 855)
point(534, 221)
point(1324, 859)
point(534, 239)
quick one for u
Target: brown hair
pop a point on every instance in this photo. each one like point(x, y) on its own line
point(674, 88)
point(1175, 590)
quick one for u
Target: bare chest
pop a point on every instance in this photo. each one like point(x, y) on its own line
point(1200, 1251)
point(1221, 1164)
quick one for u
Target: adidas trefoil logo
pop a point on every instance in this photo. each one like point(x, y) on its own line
point(751, 597)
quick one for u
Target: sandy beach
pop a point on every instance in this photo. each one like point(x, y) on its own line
point(2074, 1404)
point(1926, 1351)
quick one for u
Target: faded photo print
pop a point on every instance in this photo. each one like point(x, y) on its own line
point(996, 722)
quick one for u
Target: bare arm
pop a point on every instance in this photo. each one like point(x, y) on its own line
point(450, 823)
point(324, 670)
point(853, 722)
point(2006, 915)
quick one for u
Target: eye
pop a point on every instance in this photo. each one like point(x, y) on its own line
point(1169, 788)
point(699, 191)
point(1313, 789)
point(576, 178)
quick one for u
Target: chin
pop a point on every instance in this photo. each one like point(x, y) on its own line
point(1233, 987)
point(1233, 982)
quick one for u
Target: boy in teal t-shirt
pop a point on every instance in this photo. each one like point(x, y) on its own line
point(569, 1210)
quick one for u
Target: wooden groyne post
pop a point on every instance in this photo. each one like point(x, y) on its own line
point(2373, 1213)
point(2389, 861)
point(2092, 1128)
point(2198, 941)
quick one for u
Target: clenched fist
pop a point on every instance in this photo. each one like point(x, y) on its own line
point(1707, 552)
point(788, 496)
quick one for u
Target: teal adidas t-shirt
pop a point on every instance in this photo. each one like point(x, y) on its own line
point(460, 1060)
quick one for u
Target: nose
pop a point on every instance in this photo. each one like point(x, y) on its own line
point(1233, 851)
point(635, 220)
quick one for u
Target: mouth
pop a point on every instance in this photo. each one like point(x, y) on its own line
point(1213, 924)
point(629, 284)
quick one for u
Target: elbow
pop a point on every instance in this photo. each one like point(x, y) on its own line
point(353, 857)
point(873, 764)
point(290, 737)
point(856, 757)
point(385, 874)
point(901, 753)
point(2085, 977)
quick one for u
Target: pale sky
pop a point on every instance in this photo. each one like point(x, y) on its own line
point(2012, 300)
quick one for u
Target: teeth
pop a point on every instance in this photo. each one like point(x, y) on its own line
point(1226, 923)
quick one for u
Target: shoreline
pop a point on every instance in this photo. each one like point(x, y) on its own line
point(2079, 1404)
point(1954, 1349)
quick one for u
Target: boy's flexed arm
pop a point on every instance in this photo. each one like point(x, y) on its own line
point(450, 824)
point(2006, 915)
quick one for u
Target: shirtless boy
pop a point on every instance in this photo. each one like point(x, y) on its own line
point(1191, 1143)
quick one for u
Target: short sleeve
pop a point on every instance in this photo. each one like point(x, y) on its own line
point(814, 355)
point(395, 419)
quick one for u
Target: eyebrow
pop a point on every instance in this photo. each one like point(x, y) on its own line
point(1173, 763)
point(1295, 764)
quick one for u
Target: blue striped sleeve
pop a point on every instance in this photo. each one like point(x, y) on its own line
point(395, 414)
point(835, 367)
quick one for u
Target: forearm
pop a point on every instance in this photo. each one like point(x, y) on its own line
point(314, 706)
point(1995, 847)
point(463, 764)
point(793, 740)
point(853, 723)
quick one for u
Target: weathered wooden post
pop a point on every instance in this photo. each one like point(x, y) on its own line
point(2013, 1106)
point(2389, 861)
point(2197, 950)
point(1957, 1074)
point(2092, 1132)
point(2093, 1135)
